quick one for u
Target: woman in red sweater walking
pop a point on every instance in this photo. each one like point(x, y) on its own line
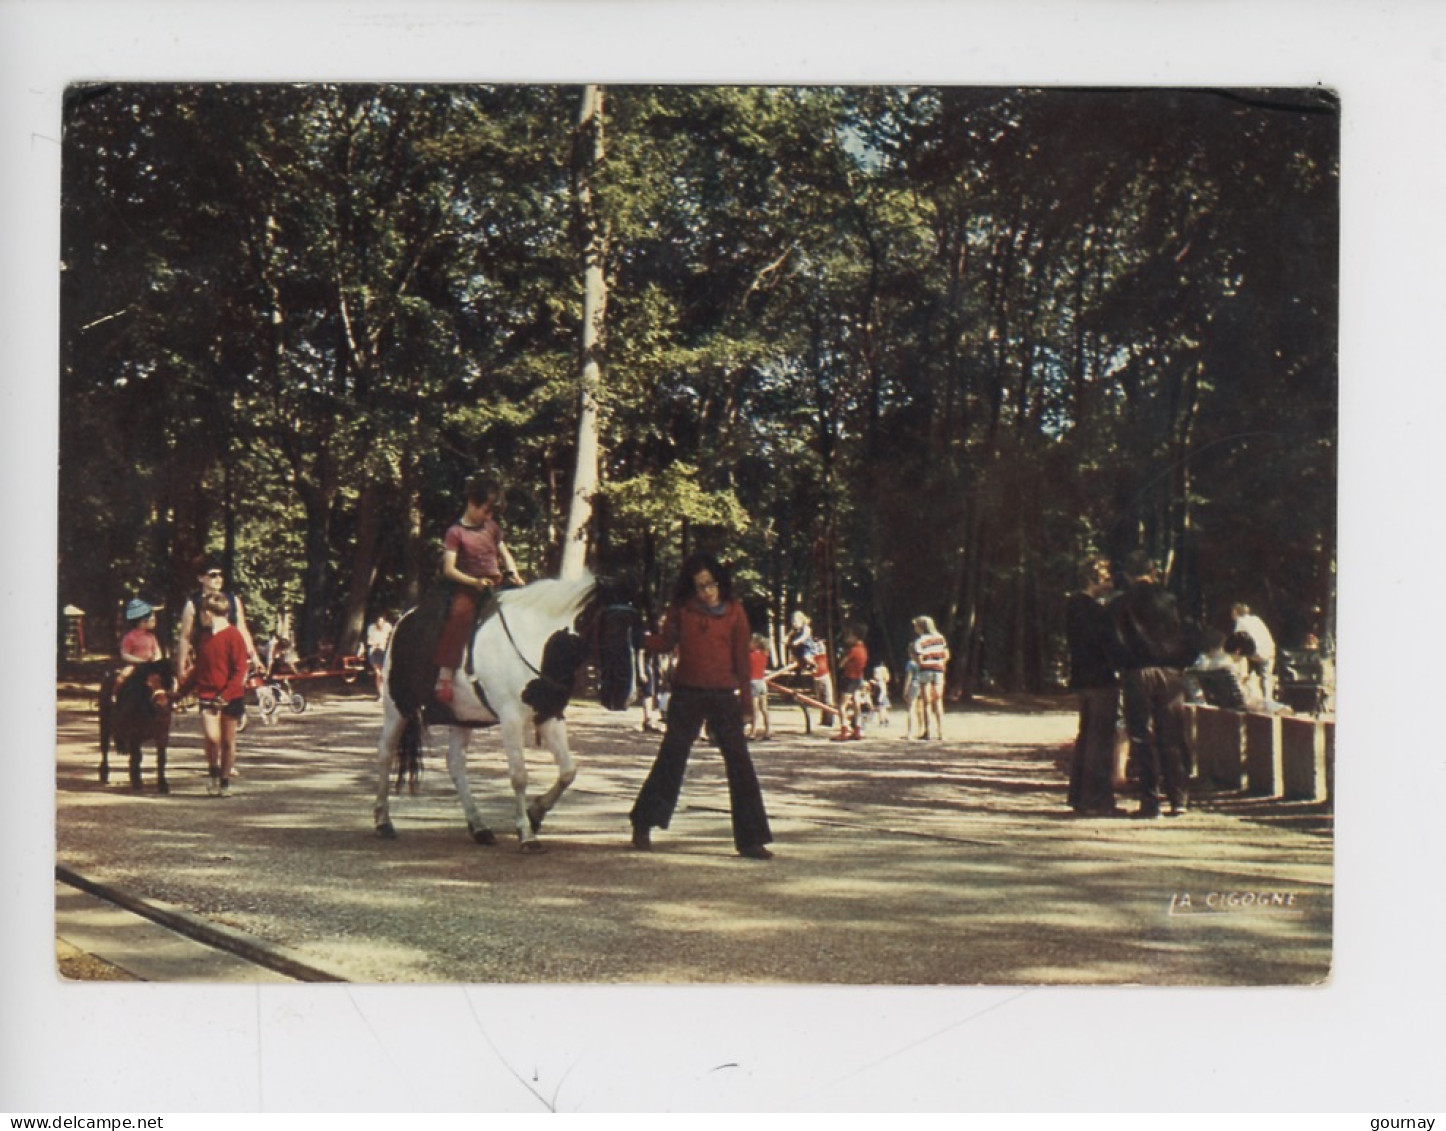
point(218, 676)
point(712, 684)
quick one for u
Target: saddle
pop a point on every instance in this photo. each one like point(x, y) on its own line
point(414, 642)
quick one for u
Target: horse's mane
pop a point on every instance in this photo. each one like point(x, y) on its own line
point(550, 598)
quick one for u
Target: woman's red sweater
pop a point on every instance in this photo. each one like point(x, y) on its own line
point(712, 647)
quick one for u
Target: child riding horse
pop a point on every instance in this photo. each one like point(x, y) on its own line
point(516, 672)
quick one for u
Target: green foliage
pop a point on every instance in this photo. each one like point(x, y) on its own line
point(890, 350)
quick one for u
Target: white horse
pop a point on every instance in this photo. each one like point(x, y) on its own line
point(518, 673)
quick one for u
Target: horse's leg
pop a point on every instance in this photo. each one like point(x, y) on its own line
point(162, 786)
point(554, 735)
point(133, 748)
point(514, 742)
point(457, 767)
point(387, 744)
point(105, 726)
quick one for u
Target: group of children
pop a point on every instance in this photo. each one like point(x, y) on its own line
point(864, 698)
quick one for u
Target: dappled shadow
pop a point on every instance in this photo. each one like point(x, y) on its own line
point(897, 863)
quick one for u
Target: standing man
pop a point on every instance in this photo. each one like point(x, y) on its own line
point(1262, 664)
point(1154, 649)
point(210, 578)
point(1093, 679)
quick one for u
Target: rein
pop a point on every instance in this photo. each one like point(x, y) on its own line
point(547, 679)
point(502, 616)
point(556, 684)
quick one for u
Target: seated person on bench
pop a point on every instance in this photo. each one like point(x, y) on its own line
point(1214, 678)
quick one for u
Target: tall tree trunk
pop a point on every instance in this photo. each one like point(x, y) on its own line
point(414, 559)
point(364, 568)
point(589, 152)
point(1017, 676)
point(316, 500)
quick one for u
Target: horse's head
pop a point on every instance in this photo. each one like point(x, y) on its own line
point(618, 635)
point(160, 682)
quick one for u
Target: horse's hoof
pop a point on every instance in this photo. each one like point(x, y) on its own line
point(535, 814)
point(533, 847)
point(104, 778)
point(484, 836)
point(163, 787)
point(387, 831)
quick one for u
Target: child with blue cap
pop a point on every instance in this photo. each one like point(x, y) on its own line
point(139, 645)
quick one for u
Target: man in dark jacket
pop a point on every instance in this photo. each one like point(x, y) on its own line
point(1093, 680)
point(1155, 646)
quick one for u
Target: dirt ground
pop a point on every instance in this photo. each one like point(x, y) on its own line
point(898, 862)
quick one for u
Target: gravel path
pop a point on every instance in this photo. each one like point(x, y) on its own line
point(898, 863)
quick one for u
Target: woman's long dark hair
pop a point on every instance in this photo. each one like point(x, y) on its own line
point(695, 565)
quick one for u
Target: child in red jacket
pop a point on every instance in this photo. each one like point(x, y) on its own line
point(758, 675)
point(851, 687)
point(218, 677)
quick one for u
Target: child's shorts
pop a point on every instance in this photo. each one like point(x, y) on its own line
point(231, 709)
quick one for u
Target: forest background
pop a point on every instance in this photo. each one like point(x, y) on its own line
point(889, 351)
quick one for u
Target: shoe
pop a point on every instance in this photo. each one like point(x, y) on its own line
point(1178, 810)
point(1146, 813)
point(756, 852)
point(225, 790)
point(213, 782)
point(642, 838)
point(857, 734)
point(443, 691)
point(841, 736)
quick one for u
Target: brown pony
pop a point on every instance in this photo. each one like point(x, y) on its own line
point(135, 712)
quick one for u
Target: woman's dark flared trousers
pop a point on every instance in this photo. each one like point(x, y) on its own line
point(688, 709)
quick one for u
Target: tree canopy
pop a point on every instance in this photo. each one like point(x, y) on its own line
point(889, 351)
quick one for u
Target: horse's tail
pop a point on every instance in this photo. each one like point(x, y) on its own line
point(409, 750)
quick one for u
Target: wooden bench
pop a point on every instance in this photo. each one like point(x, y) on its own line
point(1285, 756)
